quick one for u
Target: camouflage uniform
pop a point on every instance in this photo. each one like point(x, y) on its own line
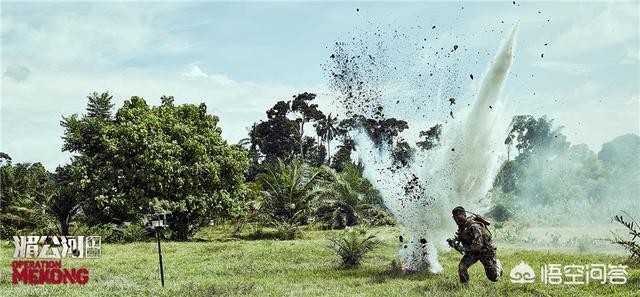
point(476, 240)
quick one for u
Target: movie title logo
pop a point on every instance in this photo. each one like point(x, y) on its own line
point(47, 272)
point(53, 249)
point(57, 247)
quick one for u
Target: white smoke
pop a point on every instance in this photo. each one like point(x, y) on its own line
point(459, 171)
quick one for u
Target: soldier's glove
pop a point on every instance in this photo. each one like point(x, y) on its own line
point(451, 243)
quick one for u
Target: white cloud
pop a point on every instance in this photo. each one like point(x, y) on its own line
point(102, 37)
point(588, 89)
point(595, 121)
point(566, 67)
point(591, 113)
point(85, 48)
point(32, 109)
point(615, 24)
point(221, 79)
point(194, 72)
point(632, 55)
point(73, 52)
point(17, 72)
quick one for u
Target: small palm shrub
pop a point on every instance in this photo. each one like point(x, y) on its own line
point(352, 246)
point(286, 231)
point(105, 231)
point(129, 232)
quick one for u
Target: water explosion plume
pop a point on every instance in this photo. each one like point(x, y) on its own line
point(459, 171)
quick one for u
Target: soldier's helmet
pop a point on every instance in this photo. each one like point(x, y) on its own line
point(458, 210)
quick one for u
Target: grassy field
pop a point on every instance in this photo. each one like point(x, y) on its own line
point(302, 267)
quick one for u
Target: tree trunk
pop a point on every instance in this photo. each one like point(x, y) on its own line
point(64, 226)
point(302, 137)
point(328, 151)
point(180, 228)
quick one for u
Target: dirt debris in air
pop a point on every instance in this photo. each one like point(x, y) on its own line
point(366, 65)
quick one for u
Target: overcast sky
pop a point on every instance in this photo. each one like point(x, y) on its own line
point(239, 58)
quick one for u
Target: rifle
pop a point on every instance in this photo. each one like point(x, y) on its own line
point(456, 245)
point(479, 218)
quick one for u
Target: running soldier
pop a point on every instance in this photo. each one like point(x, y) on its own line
point(473, 239)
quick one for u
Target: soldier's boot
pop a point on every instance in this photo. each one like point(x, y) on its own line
point(492, 273)
point(493, 269)
point(463, 272)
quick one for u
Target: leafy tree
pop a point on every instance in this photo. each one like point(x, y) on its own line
point(85, 134)
point(167, 158)
point(4, 159)
point(402, 153)
point(343, 156)
point(431, 137)
point(282, 137)
point(306, 111)
point(621, 154)
point(507, 180)
point(315, 153)
point(340, 203)
point(100, 106)
point(383, 131)
point(278, 137)
point(620, 157)
point(535, 140)
point(553, 176)
point(535, 136)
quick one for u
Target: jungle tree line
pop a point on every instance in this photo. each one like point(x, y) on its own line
point(172, 159)
point(140, 160)
point(547, 173)
point(284, 134)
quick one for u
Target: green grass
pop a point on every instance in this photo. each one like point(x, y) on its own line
point(302, 267)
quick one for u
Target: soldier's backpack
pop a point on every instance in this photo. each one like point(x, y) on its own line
point(486, 233)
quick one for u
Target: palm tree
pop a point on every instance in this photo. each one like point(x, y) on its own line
point(327, 128)
point(288, 192)
point(347, 199)
point(244, 142)
point(340, 203)
point(24, 196)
